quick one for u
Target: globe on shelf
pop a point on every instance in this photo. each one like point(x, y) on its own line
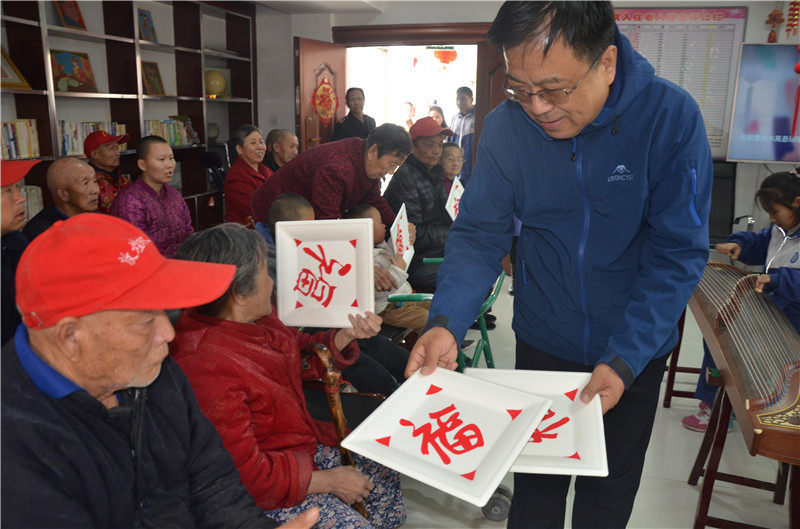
point(215, 83)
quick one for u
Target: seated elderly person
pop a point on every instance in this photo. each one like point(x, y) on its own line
point(282, 147)
point(245, 368)
point(102, 151)
point(73, 187)
point(12, 212)
point(100, 427)
point(418, 185)
point(246, 174)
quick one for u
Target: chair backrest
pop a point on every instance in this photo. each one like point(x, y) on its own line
point(487, 304)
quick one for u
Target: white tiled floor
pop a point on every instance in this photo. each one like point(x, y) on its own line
point(665, 500)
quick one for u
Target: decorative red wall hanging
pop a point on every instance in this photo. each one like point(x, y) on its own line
point(325, 101)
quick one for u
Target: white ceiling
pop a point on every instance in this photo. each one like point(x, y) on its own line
point(303, 7)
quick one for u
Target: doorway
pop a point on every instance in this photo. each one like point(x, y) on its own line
point(422, 75)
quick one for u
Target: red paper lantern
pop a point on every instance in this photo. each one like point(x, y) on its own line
point(445, 56)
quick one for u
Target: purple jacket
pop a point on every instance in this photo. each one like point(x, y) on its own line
point(164, 217)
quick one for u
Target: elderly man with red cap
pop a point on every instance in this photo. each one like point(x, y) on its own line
point(100, 428)
point(12, 212)
point(102, 150)
point(419, 184)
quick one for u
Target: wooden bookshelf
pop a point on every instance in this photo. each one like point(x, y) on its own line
point(192, 37)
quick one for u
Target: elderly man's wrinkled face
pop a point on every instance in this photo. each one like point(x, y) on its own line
point(12, 208)
point(285, 149)
point(428, 150)
point(106, 156)
point(82, 189)
point(121, 348)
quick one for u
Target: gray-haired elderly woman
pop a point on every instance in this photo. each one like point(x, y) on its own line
point(246, 174)
point(245, 368)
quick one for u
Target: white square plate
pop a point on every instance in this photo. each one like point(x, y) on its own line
point(571, 440)
point(324, 271)
point(450, 413)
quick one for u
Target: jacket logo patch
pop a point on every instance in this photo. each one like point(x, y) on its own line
point(794, 257)
point(620, 174)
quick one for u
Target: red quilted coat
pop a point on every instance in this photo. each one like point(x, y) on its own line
point(247, 379)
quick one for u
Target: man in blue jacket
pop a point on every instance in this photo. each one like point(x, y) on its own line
point(609, 171)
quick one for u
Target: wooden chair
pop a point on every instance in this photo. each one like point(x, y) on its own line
point(673, 368)
point(358, 405)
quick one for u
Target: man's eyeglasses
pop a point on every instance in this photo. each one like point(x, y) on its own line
point(555, 96)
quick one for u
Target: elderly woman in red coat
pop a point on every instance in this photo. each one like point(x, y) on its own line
point(246, 174)
point(245, 368)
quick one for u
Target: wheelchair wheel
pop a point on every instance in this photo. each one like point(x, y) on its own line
point(499, 505)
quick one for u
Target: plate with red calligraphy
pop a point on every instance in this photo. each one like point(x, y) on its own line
point(456, 433)
point(324, 271)
point(570, 439)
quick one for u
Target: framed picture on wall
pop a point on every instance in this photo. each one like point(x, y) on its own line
point(151, 79)
point(70, 15)
point(10, 76)
point(147, 31)
point(72, 71)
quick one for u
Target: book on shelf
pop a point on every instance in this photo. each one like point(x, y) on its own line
point(173, 130)
point(33, 200)
point(20, 138)
point(72, 134)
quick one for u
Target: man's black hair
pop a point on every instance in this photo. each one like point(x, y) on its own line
point(390, 139)
point(359, 211)
point(464, 90)
point(352, 89)
point(586, 27)
point(287, 206)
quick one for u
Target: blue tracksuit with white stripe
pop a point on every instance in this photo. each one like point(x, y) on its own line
point(614, 233)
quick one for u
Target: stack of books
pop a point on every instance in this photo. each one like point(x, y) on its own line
point(20, 139)
point(175, 131)
point(33, 200)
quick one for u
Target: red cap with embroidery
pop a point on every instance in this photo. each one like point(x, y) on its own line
point(427, 126)
point(101, 137)
point(92, 262)
point(12, 171)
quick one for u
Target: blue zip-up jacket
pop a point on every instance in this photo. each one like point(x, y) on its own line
point(782, 252)
point(614, 233)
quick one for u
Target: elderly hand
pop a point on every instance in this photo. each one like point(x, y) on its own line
point(606, 383)
point(305, 520)
point(365, 326)
point(730, 249)
point(412, 233)
point(762, 280)
point(344, 482)
point(436, 347)
point(384, 280)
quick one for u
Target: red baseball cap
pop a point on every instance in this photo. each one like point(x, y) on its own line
point(427, 126)
point(93, 262)
point(101, 137)
point(12, 171)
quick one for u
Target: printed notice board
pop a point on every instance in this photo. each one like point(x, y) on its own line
point(697, 49)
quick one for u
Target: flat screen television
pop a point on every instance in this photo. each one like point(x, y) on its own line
point(765, 105)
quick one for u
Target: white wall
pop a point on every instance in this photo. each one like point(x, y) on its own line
point(276, 67)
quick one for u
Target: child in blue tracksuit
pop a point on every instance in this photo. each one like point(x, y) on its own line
point(778, 249)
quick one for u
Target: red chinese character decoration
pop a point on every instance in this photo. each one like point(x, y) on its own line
point(325, 101)
point(316, 286)
point(464, 439)
point(548, 432)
